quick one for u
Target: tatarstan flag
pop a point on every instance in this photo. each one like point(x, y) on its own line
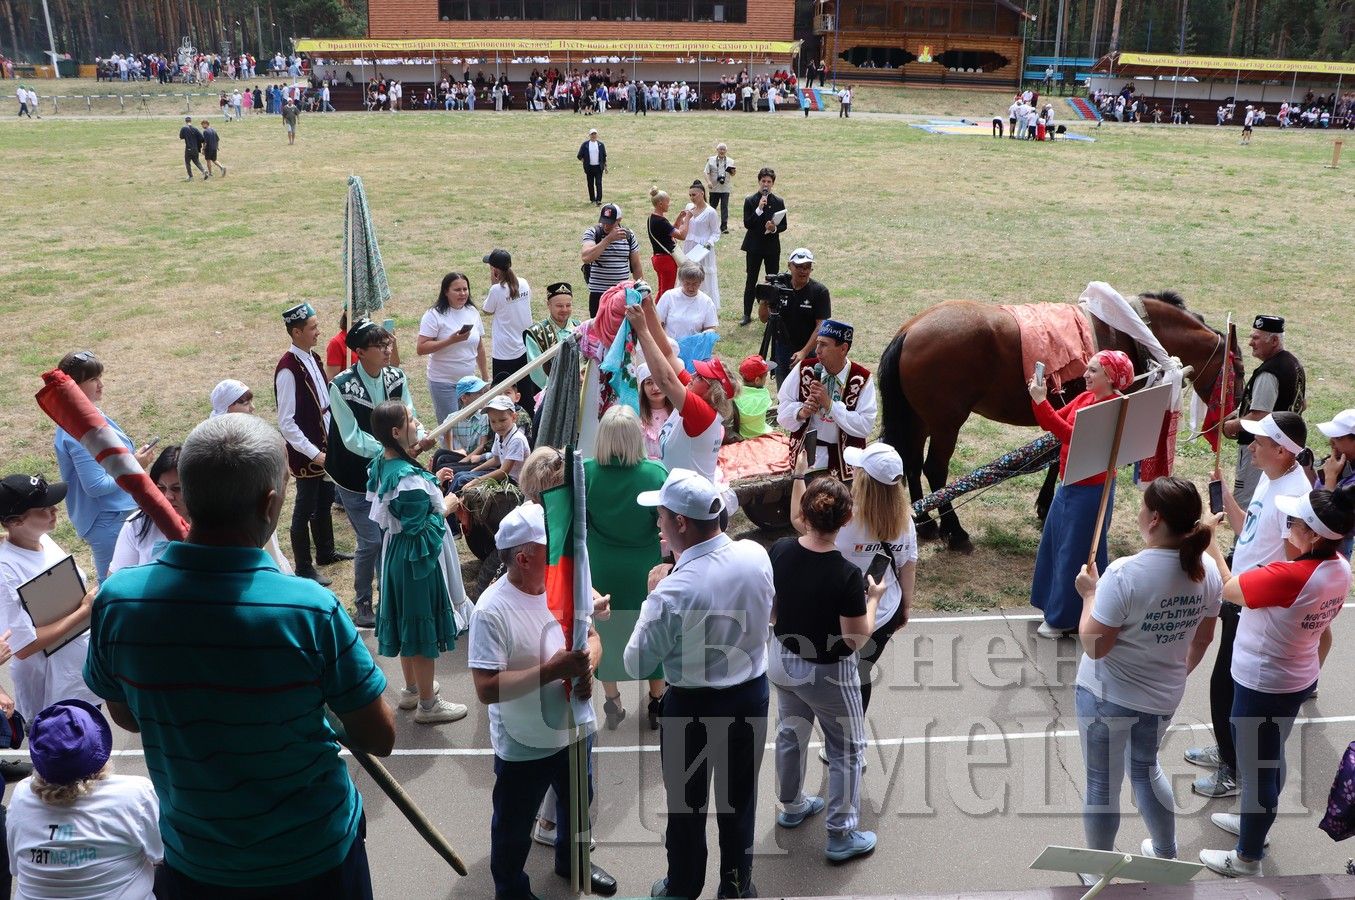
point(568, 581)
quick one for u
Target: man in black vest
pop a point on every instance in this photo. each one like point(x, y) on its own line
point(353, 394)
point(1277, 385)
point(302, 396)
point(762, 237)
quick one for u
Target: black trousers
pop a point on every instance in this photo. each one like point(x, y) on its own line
point(707, 732)
point(720, 200)
point(770, 260)
point(594, 176)
point(190, 159)
point(1221, 685)
point(870, 653)
point(312, 519)
point(594, 301)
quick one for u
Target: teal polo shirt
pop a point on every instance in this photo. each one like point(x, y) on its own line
point(228, 665)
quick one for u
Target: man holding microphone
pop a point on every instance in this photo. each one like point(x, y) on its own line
point(762, 238)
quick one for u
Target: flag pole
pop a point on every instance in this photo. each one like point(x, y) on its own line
point(467, 411)
point(348, 255)
point(1223, 392)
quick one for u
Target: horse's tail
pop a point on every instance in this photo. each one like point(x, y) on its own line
point(897, 412)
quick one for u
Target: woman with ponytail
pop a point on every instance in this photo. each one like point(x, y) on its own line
point(1145, 625)
point(1287, 609)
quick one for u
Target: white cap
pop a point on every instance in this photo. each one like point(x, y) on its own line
point(1340, 426)
point(641, 373)
point(801, 255)
point(881, 461)
point(524, 525)
point(1302, 508)
point(1268, 427)
point(686, 493)
point(500, 402)
point(592, 131)
point(226, 393)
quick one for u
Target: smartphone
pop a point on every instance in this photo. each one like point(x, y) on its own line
point(811, 446)
point(389, 325)
point(1039, 373)
point(1216, 497)
point(150, 445)
point(881, 564)
point(465, 329)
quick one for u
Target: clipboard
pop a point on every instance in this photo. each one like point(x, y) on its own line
point(52, 595)
point(779, 216)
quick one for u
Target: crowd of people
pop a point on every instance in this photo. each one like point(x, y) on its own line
point(262, 644)
point(194, 68)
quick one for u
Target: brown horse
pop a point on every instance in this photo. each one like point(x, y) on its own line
point(961, 357)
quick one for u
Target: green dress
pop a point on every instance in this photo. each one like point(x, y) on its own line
point(623, 545)
point(420, 573)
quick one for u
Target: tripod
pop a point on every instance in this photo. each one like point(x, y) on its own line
point(774, 329)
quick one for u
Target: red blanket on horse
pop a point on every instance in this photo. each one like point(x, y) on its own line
point(1056, 334)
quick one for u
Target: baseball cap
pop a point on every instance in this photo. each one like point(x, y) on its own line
point(524, 525)
point(880, 461)
point(610, 212)
point(592, 131)
point(20, 493)
point(1301, 507)
point(470, 384)
point(499, 258)
point(1289, 432)
point(686, 493)
point(69, 740)
point(801, 255)
point(715, 371)
point(500, 402)
point(1340, 426)
point(754, 367)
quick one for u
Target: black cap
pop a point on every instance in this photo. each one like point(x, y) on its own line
point(1269, 324)
point(609, 213)
point(559, 287)
point(499, 258)
point(20, 493)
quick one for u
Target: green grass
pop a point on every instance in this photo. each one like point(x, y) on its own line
point(177, 285)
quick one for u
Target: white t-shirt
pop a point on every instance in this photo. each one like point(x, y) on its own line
point(455, 361)
point(134, 548)
point(683, 316)
point(104, 846)
point(511, 452)
point(860, 548)
point(699, 452)
point(511, 318)
point(1262, 539)
point(40, 680)
point(1289, 605)
point(512, 630)
point(1157, 608)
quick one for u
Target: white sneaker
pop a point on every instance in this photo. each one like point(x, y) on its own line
point(1232, 823)
point(1146, 849)
point(544, 832)
point(1047, 631)
point(823, 758)
point(441, 713)
point(410, 699)
point(1228, 864)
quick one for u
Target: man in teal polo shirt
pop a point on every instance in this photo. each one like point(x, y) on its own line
point(226, 666)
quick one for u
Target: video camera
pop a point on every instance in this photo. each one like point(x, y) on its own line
point(775, 292)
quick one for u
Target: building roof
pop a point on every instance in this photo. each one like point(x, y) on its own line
point(1208, 68)
point(341, 46)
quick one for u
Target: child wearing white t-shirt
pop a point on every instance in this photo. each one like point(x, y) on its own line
point(508, 452)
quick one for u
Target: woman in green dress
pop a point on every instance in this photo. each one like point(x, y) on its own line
point(623, 545)
point(420, 572)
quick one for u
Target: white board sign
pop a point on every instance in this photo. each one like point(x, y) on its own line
point(1094, 432)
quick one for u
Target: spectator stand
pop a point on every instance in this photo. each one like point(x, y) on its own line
point(1077, 69)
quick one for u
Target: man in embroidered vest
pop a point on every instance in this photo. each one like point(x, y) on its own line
point(353, 394)
point(830, 394)
point(1278, 384)
point(302, 395)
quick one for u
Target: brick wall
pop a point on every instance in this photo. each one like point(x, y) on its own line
point(768, 20)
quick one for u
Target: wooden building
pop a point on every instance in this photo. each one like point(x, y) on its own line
point(963, 43)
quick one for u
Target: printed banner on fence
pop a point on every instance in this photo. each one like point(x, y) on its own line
point(1231, 64)
point(323, 46)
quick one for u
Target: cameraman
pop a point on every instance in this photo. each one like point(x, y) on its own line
point(719, 181)
point(762, 238)
point(803, 303)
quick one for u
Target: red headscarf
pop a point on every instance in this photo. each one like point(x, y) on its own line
point(1117, 366)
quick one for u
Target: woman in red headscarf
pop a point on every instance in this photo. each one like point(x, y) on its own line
point(1067, 535)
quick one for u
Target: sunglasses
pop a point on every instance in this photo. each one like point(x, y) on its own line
point(83, 356)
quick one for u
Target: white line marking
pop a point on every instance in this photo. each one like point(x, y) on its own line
point(882, 742)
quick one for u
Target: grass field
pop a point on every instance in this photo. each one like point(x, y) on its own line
point(176, 285)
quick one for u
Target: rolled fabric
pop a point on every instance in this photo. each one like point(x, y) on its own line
point(66, 405)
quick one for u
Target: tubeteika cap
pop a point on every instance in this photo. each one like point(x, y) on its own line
point(558, 288)
point(1269, 324)
point(838, 331)
point(298, 315)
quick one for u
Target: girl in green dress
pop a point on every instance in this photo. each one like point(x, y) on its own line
point(623, 545)
point(420, 572)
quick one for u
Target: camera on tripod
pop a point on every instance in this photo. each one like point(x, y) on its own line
point(775, 292)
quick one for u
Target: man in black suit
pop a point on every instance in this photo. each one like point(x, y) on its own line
point(593, 155)
point(192, 147)
point(762, 236)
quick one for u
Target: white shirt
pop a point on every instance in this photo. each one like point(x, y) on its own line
point(457, 360)
point(838, 418)
point(40, 680)
point(135, 549)
point(593, 153)
point(700, 453)
point(511, 451)
point(104, 846)
point(708, 622)
point(511, 318)
point(285, 384)
point(512, 630)
point(859, 548)
point(1289, 605)
point(1157, 608)
point(683, 316)
point(1261, 541)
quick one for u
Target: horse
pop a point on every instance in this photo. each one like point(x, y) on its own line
point(960, 357)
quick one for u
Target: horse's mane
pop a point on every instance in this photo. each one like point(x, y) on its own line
point(1169, 297)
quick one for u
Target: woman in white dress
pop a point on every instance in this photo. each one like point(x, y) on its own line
point(703, 230)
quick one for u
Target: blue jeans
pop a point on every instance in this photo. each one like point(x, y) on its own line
point(367, 559)
point(444, 399)
point(1113, 736)
point(103, 538)
point(518, 790)
point(1260, 724)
